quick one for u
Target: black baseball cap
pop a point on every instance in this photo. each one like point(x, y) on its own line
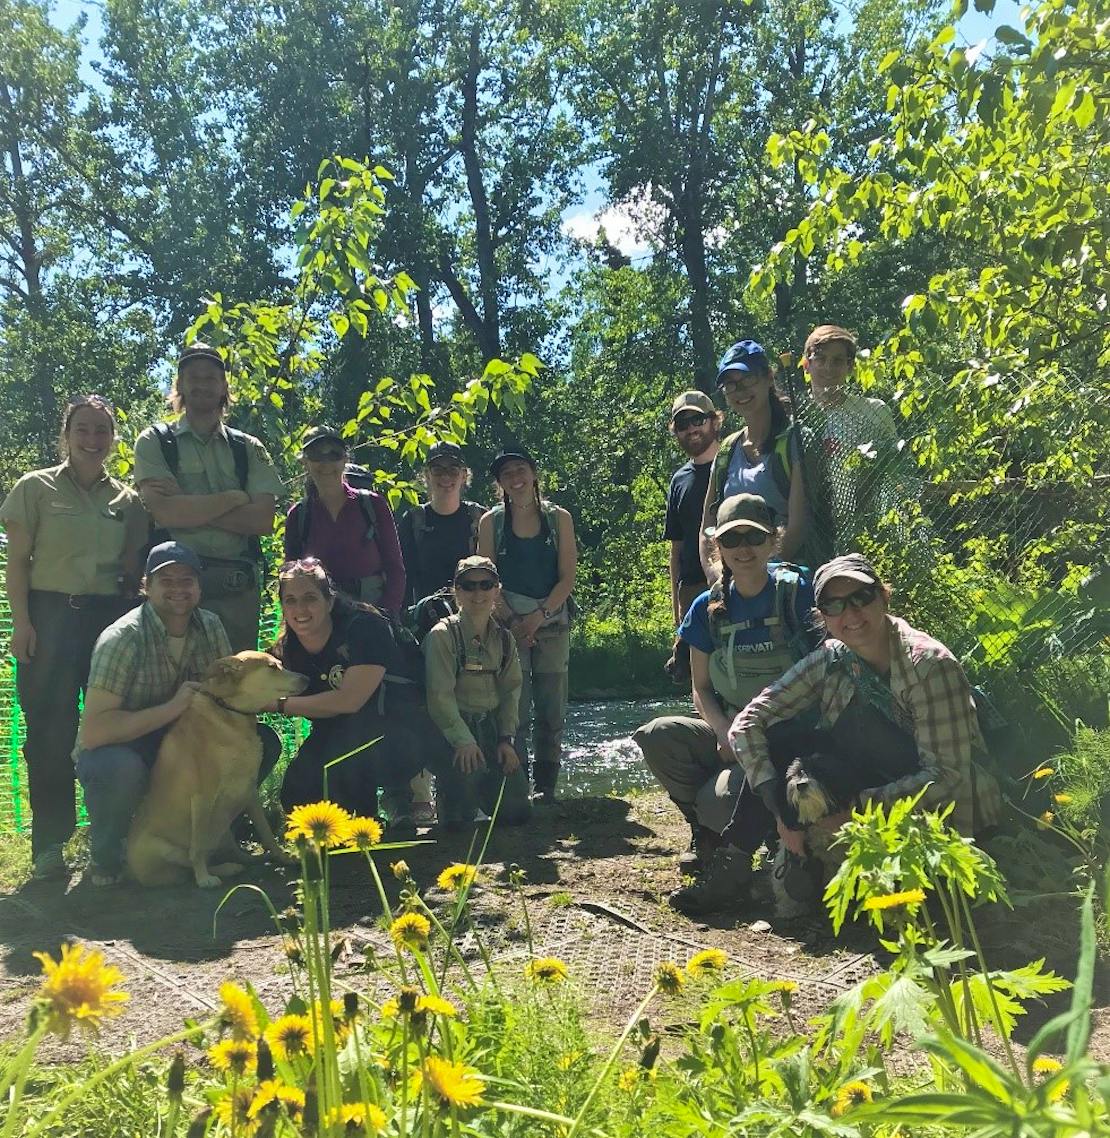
point(445, 452)
point(321, 434)
point(507, 456)
point(200, 351)
point(853, 566)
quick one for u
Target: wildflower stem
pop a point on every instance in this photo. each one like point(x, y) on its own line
point(971, 1029)
point(944, 990)
point(17, 1074)
point(83, 1088)
point(533, 1112)
point(614, 1054)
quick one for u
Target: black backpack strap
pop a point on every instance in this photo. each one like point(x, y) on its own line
point(237, 440)
point(296, 526)
point(167, 440)
point(506, 650)
point(366, 505)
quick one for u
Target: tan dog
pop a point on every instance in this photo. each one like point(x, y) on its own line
point(205, 776)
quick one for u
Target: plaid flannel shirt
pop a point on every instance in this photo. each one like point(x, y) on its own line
point(132, 657)
point(932, 700)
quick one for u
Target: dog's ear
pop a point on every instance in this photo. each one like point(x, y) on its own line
point(223, 675)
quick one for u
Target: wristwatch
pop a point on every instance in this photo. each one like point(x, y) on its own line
point(505, 739)
point(282, 700)
point(547, 613)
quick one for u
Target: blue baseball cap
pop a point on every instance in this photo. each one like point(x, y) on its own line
point(746, 356)
point(171, 553)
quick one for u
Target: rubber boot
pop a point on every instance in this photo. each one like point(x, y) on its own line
point(725, 882)
point(703, 844)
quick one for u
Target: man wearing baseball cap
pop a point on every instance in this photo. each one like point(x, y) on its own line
point(695, 426)
point(212, 487)
point(145, 670)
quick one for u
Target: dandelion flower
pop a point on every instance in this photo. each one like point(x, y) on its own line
point(1044, 822)
point(237, 1055)
point(290, 1036)
point(233, 1110)
point(629, 1079)
point(1044, 772)
point(436, 1006)
point(452, 1083)
point(895, 900)
point(400, 870)
point(321, 822)
point(707, 961)
point(851, 1094)
point(458, 876)
point(362, 833)
point(238, 1012)
point(355, 1118)
point(411, 930)
point(1061, 799)
point(1045, 1065)
point(546, 970)
point(77, 989)
point(275, 1091)
point(669, 978)
point(568, 1060)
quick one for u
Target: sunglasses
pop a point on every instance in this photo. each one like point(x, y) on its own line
point(685, 422)
point(326, 454)
point(734, 538)
point(860, 599)
point(469, 585)
point(749, 384)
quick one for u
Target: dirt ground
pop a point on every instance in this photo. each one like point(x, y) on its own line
point(598, 872)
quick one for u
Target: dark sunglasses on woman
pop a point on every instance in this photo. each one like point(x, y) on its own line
point(734, 538)
point(860, 599)
point(685, 422)
point(328, 454)
point(470, 586)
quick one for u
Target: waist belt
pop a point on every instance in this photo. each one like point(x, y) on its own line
point(227, 562)
point(83, 600)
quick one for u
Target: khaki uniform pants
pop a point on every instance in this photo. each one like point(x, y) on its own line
point(543, 703)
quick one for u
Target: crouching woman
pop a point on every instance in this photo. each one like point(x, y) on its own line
point(360, 699)
point(473, 679)
point(896, 715)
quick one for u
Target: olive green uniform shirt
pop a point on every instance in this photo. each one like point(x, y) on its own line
point(207, 466)
point(78, 536)
point(484, 682)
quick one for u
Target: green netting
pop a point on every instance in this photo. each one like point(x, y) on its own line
point(14, 811)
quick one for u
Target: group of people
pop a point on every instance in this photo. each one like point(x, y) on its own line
point(125, 596)
point(780, 661)
point(783, 662)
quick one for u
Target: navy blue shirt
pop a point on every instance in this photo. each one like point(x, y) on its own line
point(694, 629)
point(685, 502)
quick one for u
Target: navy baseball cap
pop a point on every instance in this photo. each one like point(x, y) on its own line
point(746, 356)
point(171, 553)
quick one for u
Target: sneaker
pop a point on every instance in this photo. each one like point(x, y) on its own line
point(725, 882)
point(423, 813)
point(703, 843)
point(49, 864)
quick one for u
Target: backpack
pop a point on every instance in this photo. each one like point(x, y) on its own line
point(781, 464)
point(237, 441)
point(460, 649)
point(300, 517)
point(784, 629)
point(420, 523)
point(429, 611)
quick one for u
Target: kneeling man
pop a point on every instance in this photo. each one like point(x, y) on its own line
point(145, 670)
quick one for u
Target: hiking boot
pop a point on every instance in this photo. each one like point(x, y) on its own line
point(703, 844)
point(724, 883)
point(49, 864)
point(544, 796)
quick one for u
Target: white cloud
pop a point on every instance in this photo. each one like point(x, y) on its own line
point(622, 231)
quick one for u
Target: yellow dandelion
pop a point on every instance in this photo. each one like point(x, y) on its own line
point(356, 1118)
point(233, 1110)
point(362, 833)
point(1061, 799)
point(411, 930)
point(321, 822)
point(290, 1036)
point(546, 970)
point(630, 1079)
point(1044, 822)
point(669, 978)
point(238, 1014)
point(77, 989)
point(275, 1091)
point(569, 1059)
point(436, 1006)
point(1045, 1065)
point(236, 1055)
point(707, 961)
point(850, 1095)
point(1044, 772)
point(895, 900)
point(452, 1083)
point(400, 870)
point(458, 876)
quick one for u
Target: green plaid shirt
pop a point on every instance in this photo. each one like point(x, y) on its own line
point(132, 657)
point(931, 699)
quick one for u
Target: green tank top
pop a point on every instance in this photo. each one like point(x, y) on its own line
point(529, 565)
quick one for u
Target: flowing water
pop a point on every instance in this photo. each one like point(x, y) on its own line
point(599, 756)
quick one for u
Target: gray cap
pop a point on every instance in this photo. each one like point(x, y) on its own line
point(853, 566)
point(743, 510)
point(476, 562)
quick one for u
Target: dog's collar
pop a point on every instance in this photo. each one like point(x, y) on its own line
point(227, 706)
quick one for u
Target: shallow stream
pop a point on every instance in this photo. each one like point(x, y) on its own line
point(599, 756)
